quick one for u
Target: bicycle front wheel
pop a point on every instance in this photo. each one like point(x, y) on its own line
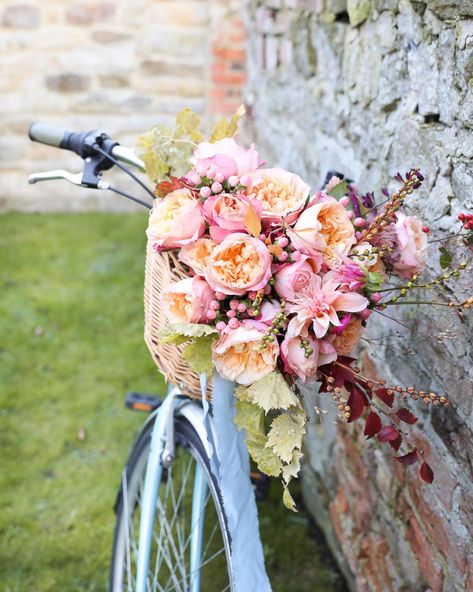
point(191, 544)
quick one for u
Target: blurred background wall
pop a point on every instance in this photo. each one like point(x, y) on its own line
point(369, 88)
point(117, 65)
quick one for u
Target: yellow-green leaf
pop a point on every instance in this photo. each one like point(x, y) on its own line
point(227, 128)
point(198, 354)
point(252, 222)
point(181, 332)
point(272, 392)
point(267, 461)
point(286, 433)
point(249, 417)
point(292, 469)
point(288, 500)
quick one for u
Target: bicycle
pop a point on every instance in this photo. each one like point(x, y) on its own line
point(186, 516)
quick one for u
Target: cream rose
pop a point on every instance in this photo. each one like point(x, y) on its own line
point(345, 341)
point(196, 255)
point(326, 228)
point(281, 193)
point(240, 263)
point(410, 253)
point(187, 301)
point(237, 355)
point(175, 220)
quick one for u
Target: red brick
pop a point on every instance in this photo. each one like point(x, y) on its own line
point(373, 552)
point(425, 555)
point(227, 53)
point(233, 79)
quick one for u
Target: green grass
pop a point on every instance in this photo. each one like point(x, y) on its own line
point(70, 347)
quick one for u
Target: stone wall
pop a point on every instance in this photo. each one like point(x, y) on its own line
point(369, 88)
point(117, 65)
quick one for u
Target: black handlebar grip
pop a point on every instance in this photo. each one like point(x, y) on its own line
point(45, 133)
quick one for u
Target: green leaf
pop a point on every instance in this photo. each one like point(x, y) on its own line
point(286, 433)
point(227, 128)
point(181, 332)
point(198, 354)
point(339, 190)
point(272, 392)
point(445, 258)
point(288, 500)
point(268, 462)
point(374, 281)
point(249, 417)
point(292, 469)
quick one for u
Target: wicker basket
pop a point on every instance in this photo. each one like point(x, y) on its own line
point(161, 270)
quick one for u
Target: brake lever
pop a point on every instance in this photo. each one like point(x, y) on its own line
point(74, 178)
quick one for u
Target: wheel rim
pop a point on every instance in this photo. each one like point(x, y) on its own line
point(173, 530)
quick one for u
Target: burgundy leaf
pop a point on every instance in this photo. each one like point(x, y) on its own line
point(407, 459)
point(405, 415)
point(396, 444)
point(372, 425)
point(388, 434)
point(355, 400)
point(386, 397)
point(426, 473)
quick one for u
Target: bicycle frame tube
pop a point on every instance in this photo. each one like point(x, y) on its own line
point(197, 526)
point(154, 470)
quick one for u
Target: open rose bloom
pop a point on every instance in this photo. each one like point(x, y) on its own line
point(285, 276)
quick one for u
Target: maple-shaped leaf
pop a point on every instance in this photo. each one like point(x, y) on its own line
point(286, 433)
point(227, 128)
point(387, 434)
point(178, 333)
point(373, 424)
point(426, 473)
point(356, 403)
point(272, 392)
point(252, 222)
point(288, 500)
point(165, 187)
point(386, 396)
point(407, 459)
point(406, 415)
point(199, 354)
point(396, 443)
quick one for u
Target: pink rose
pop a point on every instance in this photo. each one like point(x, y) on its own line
point(196, 255)
point(225, 157)
point(410, 252)
point(226, 213)
point(187, 301)
point(175, 220)
point(239, 264)
point(293, 277)
point(237, 355)
point(281, 193)
point(301, 359)
point(324, 228)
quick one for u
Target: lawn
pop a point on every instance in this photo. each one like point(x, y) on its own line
point(70, 347)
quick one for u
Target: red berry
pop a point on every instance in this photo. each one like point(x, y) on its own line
point(461, 216)
point(425, 229)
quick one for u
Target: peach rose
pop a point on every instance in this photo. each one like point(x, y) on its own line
point(187, 301)
point(196, 255)
point(292, 277)
point(237, 355)
point(346, 340)
point(410, 253)
point(226, 213)
point(324, 227)
point(281, 193)
point(175, 220)
point(226, 157)
point(240, 263)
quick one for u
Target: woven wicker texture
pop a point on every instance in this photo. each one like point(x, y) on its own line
point(161, 270)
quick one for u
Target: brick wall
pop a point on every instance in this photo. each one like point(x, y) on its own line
point(370, 87)
point(115, 65)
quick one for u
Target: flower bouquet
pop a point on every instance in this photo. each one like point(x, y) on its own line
point(279, 283)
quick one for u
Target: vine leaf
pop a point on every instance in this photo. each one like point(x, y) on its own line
point(272, 392)
point(227, 128)
point(426, 473)
point(198, 354)
point(407, 459)
point(286, 433)
point(406, 415)
point(288, 500)
point(178, 333)
point(373, 424)
point(446, 257)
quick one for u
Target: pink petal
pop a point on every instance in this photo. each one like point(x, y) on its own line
point(351, 302)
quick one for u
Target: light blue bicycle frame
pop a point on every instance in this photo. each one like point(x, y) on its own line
point(161, 454)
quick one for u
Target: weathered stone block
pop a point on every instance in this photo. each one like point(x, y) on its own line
point(90, 12)
point(21, 16)
point(68, 83)
point(358, 11)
